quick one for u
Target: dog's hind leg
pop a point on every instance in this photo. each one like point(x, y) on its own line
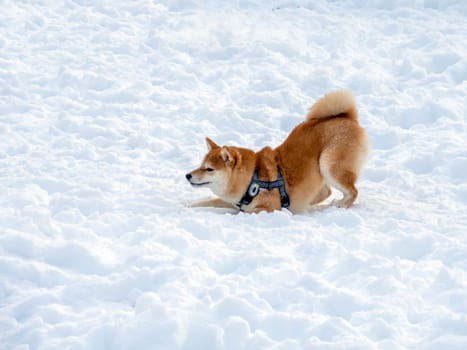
point(344, 181)
point(340, 174)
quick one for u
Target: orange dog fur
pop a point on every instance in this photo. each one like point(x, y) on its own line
point(327, 150)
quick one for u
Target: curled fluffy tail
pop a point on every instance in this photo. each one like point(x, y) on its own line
point(333, 104)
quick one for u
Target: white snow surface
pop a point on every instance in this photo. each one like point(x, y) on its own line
point(104, 106)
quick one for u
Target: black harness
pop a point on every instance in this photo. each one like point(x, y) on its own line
point(256, 185)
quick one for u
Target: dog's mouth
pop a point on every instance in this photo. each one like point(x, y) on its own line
point(199, 184)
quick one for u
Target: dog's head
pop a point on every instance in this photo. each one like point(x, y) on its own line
point(215, 170)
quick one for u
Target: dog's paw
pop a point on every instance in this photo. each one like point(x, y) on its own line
point(342, 203)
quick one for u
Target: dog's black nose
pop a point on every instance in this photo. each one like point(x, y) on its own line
point(188, 176)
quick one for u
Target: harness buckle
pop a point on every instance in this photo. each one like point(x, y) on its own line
point(253, 189)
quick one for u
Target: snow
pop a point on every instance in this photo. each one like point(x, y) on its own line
point(104, 107)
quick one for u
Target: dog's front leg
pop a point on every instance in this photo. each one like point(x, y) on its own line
point(213, 202)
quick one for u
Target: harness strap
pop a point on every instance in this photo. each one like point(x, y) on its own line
point(256, 185)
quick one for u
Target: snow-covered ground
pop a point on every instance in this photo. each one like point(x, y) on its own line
point(104, 106)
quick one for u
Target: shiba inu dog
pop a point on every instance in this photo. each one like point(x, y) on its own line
point(327, 150)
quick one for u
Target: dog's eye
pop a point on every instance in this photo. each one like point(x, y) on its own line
point(209, 169)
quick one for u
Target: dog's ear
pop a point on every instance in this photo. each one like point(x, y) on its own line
point(226, 154)
point(211, 144)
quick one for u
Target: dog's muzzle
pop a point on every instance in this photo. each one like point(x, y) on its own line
point(189, 177)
